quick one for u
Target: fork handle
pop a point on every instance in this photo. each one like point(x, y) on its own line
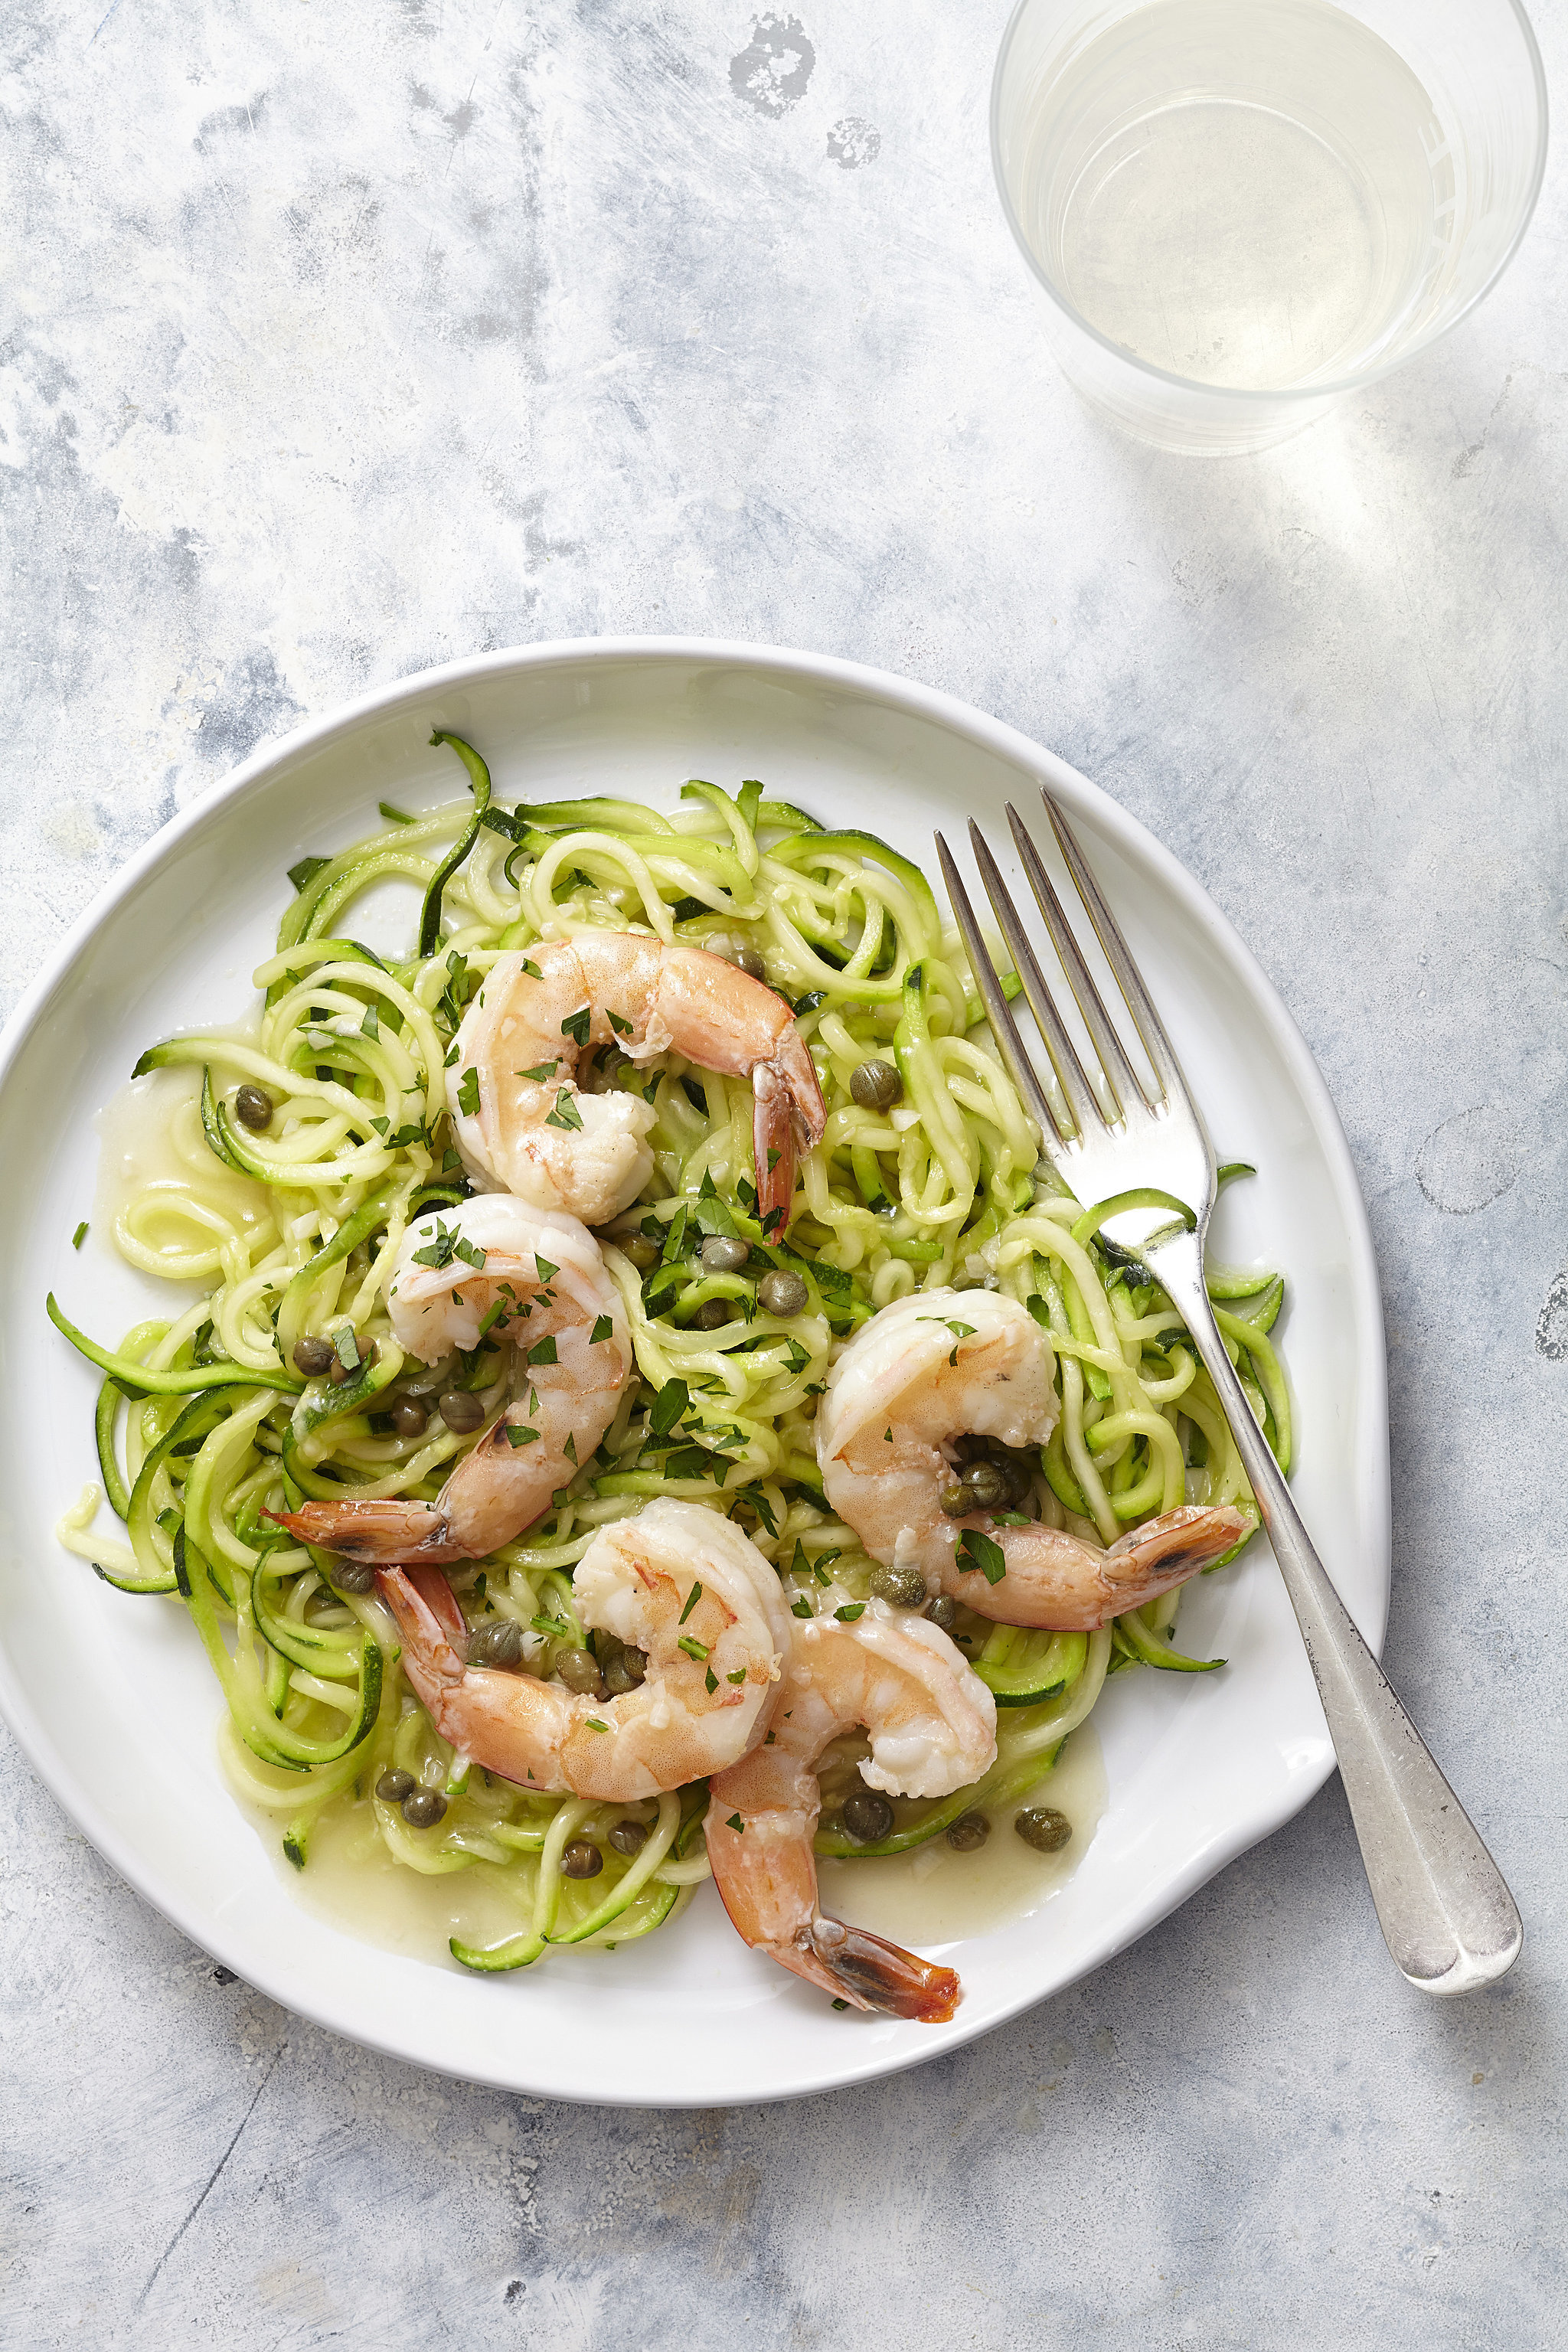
point(1444, 1907)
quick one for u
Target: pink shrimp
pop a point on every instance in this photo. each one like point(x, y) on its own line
point(932, 1725)
point(541, 1008)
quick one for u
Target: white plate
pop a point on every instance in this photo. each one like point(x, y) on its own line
point(111, 1697)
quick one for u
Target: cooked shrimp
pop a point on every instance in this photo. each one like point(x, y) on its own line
point(532, 1132)
point(933, 1726)
point(570, 1361)
point(941, 1364)
point(711, 1662)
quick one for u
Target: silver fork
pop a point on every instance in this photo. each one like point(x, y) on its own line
point(1447, 1915)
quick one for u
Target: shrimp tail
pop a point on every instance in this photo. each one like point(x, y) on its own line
point(380, 1534)
point(787, 1114)
point(869, 1973)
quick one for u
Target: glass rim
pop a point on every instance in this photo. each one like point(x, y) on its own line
point(1287, 393)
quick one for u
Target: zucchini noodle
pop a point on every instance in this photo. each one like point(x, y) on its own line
point(202, 1426)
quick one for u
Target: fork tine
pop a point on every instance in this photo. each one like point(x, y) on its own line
point(1004, 1028)
point(1119, 956)
point(1121, 1076)
point(1082, 1099)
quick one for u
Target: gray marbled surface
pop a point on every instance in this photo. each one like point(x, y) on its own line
point(340, 341)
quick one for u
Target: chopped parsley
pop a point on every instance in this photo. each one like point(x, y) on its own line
point(540, 1071)
point(80, 1235)
point(565, 1113)
point(693, 1648)
point(576, 1025)
point(603, 1329)
point(692, 1598)
point(976, 1550)
point(468, 1095)
point(847, 1615)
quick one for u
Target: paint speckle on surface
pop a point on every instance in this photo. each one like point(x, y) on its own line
point(1470, 1160)
point(1552, 1324)
point(854, 142)
point(773, 72)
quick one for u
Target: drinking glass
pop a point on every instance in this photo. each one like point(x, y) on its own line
point(1243, 210)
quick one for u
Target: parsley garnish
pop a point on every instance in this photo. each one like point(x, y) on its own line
point(622, 1028)
point(847, 1616)
point(693, 1648)
point(976, 1550)
point(515, 1436)
point(595, 1724)
point(738, 1676)
point(735, 1822)
point(710, 1679)
point(577, 1024)
point(540, 1071)
point(692, 1598)
point(802, 1607)
point(542, 1352)
point(565, 1113)
point(532, 970)
point(468, 1095)
point(668, 1407)
point(603, 1329)
point(393, 815)
point(80, 1235)
point(542, 1267)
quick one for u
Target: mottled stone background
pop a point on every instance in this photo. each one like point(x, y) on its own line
point(340, 338)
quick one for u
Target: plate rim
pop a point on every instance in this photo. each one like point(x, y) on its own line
point(52, 1763)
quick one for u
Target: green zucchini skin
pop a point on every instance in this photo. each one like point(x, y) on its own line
point(1038, 1668)
point(135, 1380)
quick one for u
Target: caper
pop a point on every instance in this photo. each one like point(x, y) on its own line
point(313, 1355)
point(868, 1817)
point(253, 1109)
point(579, 1670)
point(423, 1807)
point(352, 1575)
point(783, 1294)
point(629, 1837)
point(721, 1254)
point(395, 1785)
point(1016, 1479)
point(876, 1085)
point(943, 1611)
point(623, 1669)
point(903, 1588)
point(713, 1314)
point(462, 1411)
point(969, 1832)
point(748, 960)
point(642, 1252)
point(582, 1860)
point(365, 1353)
point(955, 1500)
point(987, 1484)
point(496, 1641)
point(409, 1417)
point(1044, 1828)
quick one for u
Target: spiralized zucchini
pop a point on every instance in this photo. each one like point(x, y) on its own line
point(203, 1422)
